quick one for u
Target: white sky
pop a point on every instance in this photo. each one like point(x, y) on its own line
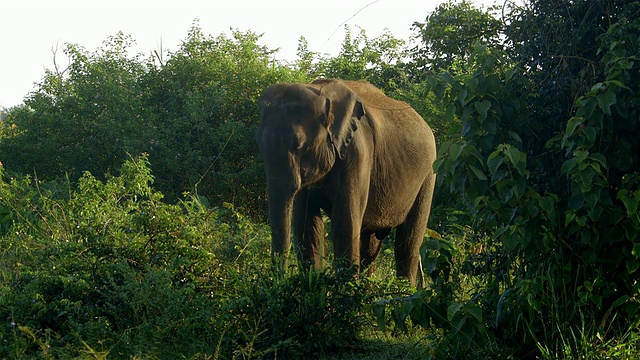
point(30, 29)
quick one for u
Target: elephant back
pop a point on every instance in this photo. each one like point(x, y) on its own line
point(373, 97)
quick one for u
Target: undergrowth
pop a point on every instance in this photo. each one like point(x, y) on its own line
point(107, 269)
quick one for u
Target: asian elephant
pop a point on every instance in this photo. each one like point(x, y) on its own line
point(365, 159)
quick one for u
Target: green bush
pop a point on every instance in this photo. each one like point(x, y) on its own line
point(112, 268)
point(107, 268)
point(301, 315)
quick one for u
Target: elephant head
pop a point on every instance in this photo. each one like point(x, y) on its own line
point(305, 129)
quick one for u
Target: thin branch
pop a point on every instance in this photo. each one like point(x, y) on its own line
point(352, 16)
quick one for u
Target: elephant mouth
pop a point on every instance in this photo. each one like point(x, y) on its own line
point(315, 164)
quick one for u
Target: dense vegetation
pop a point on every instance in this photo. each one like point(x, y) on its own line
point(132, 198)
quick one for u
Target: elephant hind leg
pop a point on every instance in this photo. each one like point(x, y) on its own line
point(371, 244)
point(410, 234)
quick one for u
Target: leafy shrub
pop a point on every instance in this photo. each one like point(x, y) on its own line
point(299, 315)
point(111, 268)
point(443, 304)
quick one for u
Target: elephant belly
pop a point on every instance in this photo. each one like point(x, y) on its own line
point(388, 207)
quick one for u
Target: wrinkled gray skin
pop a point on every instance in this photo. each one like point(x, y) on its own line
point(365, 159)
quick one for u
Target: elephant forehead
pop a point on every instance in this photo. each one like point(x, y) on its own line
point(291, 96)
point(296, 105)
point(290, 111)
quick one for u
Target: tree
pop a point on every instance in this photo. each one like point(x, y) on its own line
point(194, 114)
point(449, 34)
point(205, 115)
point(82, 120)
point(547, 159)
point(379, 60)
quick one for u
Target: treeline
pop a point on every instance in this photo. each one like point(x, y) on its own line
point(536, 113)
point(193, 111)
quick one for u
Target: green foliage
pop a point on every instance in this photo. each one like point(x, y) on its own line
point(440, 305)
point(379, 60)
point(80, 119)
point(109, 269)
point(302, 315)
point(108, 266)
point(449, 34)
point(203, 100)
point(554, 194)
point(194, 112)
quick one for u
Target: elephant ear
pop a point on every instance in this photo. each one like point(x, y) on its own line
point(343, 111)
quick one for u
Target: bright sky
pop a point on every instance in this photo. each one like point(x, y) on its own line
point(30, 29)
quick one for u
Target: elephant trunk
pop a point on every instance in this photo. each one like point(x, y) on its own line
point(281, 189)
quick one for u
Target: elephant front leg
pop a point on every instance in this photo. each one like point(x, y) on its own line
point(308, 231)
point(347, 245)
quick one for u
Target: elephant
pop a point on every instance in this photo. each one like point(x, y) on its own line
point(366, 160)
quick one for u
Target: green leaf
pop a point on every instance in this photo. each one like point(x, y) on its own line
point(462, 96)
point(572, 124)
point(546, 203)
point(597, 299)
point(466, 112)
point(432, 234)
point(606, 100)
point(483, 108)
point(511, 242)
point(621, 300)
point(449, 112)
point(399, 316)
point(619, 84)
point(630, 203)
point(568, 165)
point(454, 151)
point(452, 310)
point(517, 158)
point(600, 159)
point(494, 161)
point(515, 136)
point(437, 164)
point(509, 73)
point(587, 108)
point(636, 250)
point(458, 325)
point(590, 132)
point(419, 312)
point(378, 312)
point(443, 147)
point(466, 126)
point(501, 230)
point(581, 155)
point(478, 173)
point(597, 87)
point(475, 311)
